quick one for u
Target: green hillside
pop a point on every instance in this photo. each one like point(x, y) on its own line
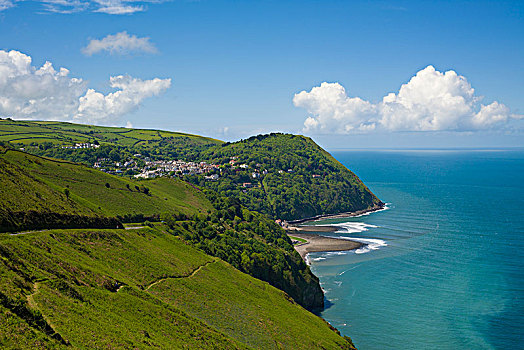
point(96, 191)
point(55, 139)
point(140, 289)
point(31, 183)
point(201, 271)
point(291, 177)
point(41, 193)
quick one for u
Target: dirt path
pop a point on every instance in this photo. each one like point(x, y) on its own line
point(33, 305)
point(193, 273)
point(30, 298)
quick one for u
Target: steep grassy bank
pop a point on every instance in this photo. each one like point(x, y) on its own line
point(31, 182)
point(36, 187)
point(139, 289)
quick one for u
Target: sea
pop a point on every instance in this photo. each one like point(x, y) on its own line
point(443, 266)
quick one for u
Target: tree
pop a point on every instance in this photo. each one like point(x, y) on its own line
point(114, 155)
point(66, 192)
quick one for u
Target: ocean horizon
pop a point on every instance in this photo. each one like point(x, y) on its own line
point(442, 266)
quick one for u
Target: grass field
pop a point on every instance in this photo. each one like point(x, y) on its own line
point(26, 132)
point(301, 240)
point(140, 288)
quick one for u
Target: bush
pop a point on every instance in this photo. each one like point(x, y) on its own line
point(34, 220)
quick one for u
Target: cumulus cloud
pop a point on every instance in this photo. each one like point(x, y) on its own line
point(46, 93)
point(112, 7)
point(430, 101)
point(95, 106)
point(331, 109)
point(120, 44)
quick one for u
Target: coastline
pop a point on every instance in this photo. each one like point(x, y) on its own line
point(348, 214)
point(317, 243)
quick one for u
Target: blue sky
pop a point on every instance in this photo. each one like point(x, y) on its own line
point(235, 67)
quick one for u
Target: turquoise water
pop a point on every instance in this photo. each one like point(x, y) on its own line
point(444, 265)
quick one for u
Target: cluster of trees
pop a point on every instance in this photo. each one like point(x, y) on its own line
point(252, 243)
point(181, 147)
point(33, 220)
point(87, 156)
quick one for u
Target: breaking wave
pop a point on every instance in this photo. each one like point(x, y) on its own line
point(370, 244)
point(353, 227)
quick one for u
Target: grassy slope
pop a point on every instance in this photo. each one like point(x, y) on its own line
point(34, 183)
point(25, 131)
point(72, 278)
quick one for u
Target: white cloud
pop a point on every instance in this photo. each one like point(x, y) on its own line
point(492, 114)
point(112, 7)
point(46, 93)
point(5, 4)
point(119, 43)
point(117, 7)
point(65, 6)
point(332, 108)
point(430, 101)
point(95, 106)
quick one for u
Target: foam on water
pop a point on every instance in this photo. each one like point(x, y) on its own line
point(343, 272)
point(374, 211)
point(370, 244)
point(353, 227)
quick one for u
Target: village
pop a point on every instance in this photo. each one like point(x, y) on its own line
point(143, 167)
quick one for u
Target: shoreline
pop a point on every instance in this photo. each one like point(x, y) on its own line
point(317, 243)
point(348, 214)
point(312, 228)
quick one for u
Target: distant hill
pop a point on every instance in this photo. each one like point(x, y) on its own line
point(27, 131)
point(285, 176)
